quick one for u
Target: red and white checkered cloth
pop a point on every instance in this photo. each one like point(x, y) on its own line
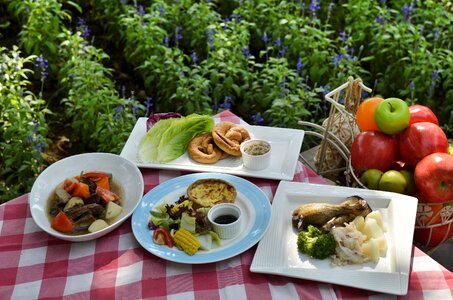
point(36, 265)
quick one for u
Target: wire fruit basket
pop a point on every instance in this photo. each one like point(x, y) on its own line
point(331, 159)
point(433, 224)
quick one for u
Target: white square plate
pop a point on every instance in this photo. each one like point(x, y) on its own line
point(277, 252)
point(285, 143)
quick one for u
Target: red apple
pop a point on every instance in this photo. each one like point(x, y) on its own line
point(434, 177)
point(421, 139)
point(373, 150)
point(421, 113)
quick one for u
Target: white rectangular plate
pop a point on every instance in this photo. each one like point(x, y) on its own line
point(285, 143)
point(277, 251)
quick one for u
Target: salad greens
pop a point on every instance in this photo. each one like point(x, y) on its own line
point(168, 138)
point(181, 215)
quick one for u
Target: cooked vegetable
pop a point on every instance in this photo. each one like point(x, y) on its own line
point(316, 244)
point(62, 223)
point(97, 225)
point(372, 229)
point(112, 210)
point(62, 194)
point(95, 174)
point(188, 242)
point(161, 236)
point(101, 179)
point(370, 249)
point(81, 190)
point(168, 139)
point(378, 217)
point(73, 202)
point(181, 206)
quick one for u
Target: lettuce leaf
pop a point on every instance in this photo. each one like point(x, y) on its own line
point(168, 138)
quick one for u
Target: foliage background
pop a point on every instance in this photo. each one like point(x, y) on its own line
point(76, 75)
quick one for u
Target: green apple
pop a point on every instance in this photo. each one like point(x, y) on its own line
point(393, 181)
point(450, 150)
point(392, 116)
point(410, 187)
point(370, 178)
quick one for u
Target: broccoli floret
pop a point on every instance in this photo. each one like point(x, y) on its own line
point(315, 243)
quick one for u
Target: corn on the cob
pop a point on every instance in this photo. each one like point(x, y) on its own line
point(187, 241)
point(175, 208)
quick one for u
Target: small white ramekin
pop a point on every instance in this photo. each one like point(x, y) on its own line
point(255, 162)
point(230, 230)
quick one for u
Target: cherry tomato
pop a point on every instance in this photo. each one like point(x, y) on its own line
point(365, 114)
point(161, 236)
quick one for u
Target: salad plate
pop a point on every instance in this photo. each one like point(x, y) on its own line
point(253, 202)
point(285, 143)
point(277, 251)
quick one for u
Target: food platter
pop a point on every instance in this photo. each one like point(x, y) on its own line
point(285, 142)
point(277, 251)
point(253, 202)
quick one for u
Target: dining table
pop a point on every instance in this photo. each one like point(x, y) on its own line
point(36, 265)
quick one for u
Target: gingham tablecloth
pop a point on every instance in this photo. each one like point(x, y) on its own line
point(35, 265)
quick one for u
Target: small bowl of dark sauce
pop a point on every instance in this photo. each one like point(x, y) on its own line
point(225, 219)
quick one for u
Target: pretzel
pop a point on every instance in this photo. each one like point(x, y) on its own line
point(229, 136)
point(202, 149)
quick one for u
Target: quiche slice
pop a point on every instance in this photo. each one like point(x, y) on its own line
point(209, 192)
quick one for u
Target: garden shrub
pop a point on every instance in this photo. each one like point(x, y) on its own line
point(23, 126)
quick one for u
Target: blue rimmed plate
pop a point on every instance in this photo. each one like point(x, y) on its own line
point(251, 199)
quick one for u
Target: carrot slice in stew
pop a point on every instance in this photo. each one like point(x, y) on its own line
point(101, 179)
point(81, 190)
point(103, 182)
point(96, 174)
point(62, 223)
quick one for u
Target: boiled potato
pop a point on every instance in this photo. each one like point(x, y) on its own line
point(378, 217)
point(372, 229)
point(97, 225)
point(112, 210)
point(73, 202)
point(371, 249)
point(359, 222)
point(382, 244)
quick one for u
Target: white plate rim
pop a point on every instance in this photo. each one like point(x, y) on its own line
point(395, 282)
point(286, 172)
point(255, 195)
